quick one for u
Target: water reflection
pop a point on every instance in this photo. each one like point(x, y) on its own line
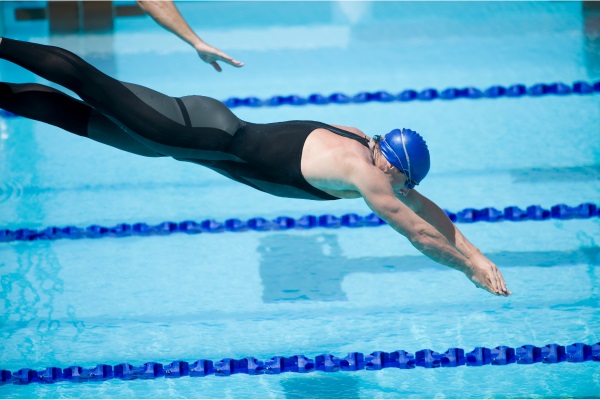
point(30, 285)
point(318, 266)
point(552, 174)
point(334, 386)
point(591, 45)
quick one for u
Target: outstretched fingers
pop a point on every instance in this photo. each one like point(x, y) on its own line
point(497, 281)
point(213, 58)
point(489, 278)
point(493, 287)
point(499, 284)
point(229, 60)
point(502, 283)
point(211, 55)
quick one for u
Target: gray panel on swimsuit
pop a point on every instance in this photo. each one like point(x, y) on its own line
point(203, 112)
point(165, 105)
point(207, 112)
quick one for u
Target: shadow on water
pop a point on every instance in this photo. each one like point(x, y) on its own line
point(553, 174)
point(319, 266)
point(334, 386)
point(591, 37)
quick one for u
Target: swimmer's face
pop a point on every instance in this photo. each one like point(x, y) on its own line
point(400, 182)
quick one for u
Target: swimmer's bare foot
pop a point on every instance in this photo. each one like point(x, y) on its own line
point(486, 275)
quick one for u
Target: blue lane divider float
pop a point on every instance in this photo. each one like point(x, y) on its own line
point(472, 93)
point(453, 357)
point(468, 215)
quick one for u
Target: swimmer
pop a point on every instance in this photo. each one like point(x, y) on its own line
point(166, 14)
point(296, 159)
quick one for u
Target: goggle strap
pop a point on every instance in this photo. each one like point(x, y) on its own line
point(404, 170)
point(407, 157)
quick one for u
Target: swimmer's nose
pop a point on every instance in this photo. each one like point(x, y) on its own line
point(404, 191)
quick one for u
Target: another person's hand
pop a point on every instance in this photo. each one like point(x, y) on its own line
point(486, 275)
point(211, 55)
point(166, 14)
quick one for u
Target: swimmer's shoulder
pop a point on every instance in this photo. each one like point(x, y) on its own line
point(352, 129)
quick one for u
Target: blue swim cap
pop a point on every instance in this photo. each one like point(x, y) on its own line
point(407, 151)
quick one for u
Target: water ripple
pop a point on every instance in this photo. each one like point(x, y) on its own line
point(10, 190)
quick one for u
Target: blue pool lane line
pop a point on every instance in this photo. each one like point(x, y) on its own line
point(468, 215)
point(429, 94)
point(454, 357)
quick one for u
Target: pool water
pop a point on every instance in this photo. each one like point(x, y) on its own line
point(261, 294)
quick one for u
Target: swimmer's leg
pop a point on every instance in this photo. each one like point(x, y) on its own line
point(45, 104)
point(156, 129)
point(42, 103)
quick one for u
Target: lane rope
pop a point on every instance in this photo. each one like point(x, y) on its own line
point(467, 215)
point(453, 357)
point(428, 94)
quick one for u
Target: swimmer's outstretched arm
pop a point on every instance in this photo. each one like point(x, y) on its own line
point(435, 216)
point(379, 196)
point(166, 14)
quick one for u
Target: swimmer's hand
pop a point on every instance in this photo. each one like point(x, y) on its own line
point(486, 275)
point(166, 14)
point(211, 55)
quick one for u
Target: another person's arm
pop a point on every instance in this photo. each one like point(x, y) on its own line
point(426, 237)
point(166, 14)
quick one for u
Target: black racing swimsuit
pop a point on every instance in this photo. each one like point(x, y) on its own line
point(139, 120)
point(270, 158)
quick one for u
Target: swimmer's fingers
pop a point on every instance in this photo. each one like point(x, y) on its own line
point(492, 286)
point(229, 60)
point(213, 58)
point(497, 280)
point(482, 282)
point(216, 66)
point(209, 59)
point(500, 284)
point(486, 276)
point(211, 55)
point(505, 291)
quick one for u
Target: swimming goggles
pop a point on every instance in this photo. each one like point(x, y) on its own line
point(409, 184)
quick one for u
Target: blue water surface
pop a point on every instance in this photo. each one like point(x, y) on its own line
point(261, 294)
